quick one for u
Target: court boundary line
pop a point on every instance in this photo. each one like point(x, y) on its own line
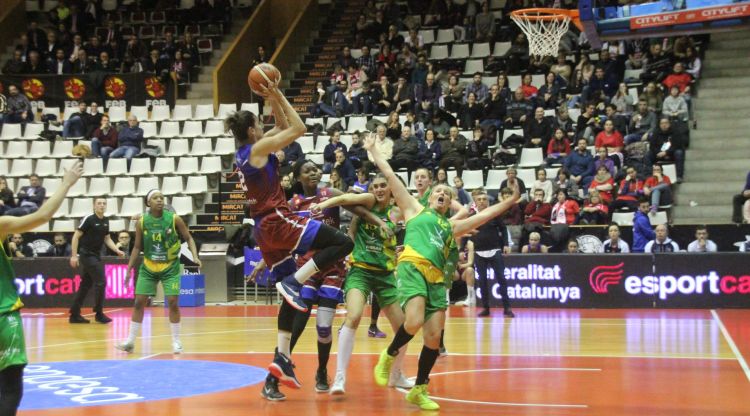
point(146, 357)
point(415, 354)
point(732, 345)
point(109, 340)
point(509, 404)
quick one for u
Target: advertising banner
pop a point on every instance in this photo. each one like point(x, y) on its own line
point(108, 90)
point(52, 283)
point(571, 280)
point(705, 14)
point(696, 280)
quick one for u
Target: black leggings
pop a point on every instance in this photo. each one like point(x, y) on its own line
point(11, 389)
point(332, 245)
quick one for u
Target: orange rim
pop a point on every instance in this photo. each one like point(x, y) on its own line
point(545, 14)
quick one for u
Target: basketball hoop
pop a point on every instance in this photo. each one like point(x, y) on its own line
point(544, 28)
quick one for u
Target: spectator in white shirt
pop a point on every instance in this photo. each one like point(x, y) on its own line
point(614, 244)
point(382, 143)
point(702, 244)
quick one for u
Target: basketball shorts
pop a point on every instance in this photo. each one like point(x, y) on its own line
point(12, 344)
point(169, 277)
point(382, 284)
point(411, 284)
point(280, 236)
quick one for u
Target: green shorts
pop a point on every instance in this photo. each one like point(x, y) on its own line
point(169, 278)
point(411, 284)
point(12, 344)
point(382, 284)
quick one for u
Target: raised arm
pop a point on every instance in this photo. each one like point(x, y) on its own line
point(460, 211)
point(366, 200)
point(409, 206)
point(461, 227)
point(280, 119)
point(272, 143)
point(11, 225)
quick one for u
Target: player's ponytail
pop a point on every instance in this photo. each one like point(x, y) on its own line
point(238, 123)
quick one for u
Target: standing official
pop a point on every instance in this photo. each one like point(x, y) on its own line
point(490, 242)
point(91, 235)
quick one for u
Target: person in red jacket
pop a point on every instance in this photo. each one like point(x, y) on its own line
point(536, 215)
point(612, 140)
point(537, 210)
point(658, 186)
point(558, 148)
point(682, 80)
point(565, 210)
point(679, 78)
point(595, 211)
point(631, 188)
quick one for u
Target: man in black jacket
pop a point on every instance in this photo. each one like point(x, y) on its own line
point(382, 96)
point(77, 125)
point(30, 198)
point(405, 150)
point(490, 242)
point(668, 143)
point(59, 65)
point(538, 130)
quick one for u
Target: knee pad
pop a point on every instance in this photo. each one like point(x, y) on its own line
point(324, 323)
point(324, 334)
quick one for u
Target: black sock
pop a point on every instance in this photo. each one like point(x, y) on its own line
point(375, 313)
point(402, 338)
point(324, 351)
point(426, 361)
point(300, 321)
point(442, 339)
point(11, 389)
point(286, 317)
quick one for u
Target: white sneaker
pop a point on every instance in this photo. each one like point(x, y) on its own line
point(465, 302)
point(176, 347)
point(125, 346)
point(399, 380)
point(339, 384)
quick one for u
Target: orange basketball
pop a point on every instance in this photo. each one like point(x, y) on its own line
point(262, 74)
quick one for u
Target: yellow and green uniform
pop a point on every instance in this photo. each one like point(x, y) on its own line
point(373, 260)
point(161, 255)
point(452, 263)
point(422, 265)
point(424, 200)
point(12, 345)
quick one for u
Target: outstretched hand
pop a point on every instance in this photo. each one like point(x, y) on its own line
point(72, 175)
point(369, 142)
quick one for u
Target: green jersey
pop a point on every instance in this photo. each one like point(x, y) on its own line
point(451, 263)
point(161, 244)
point(373, 250)
point(424, 200)
point(428, 244)
point(9, 300)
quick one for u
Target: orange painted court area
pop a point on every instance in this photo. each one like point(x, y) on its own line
point(543, 362)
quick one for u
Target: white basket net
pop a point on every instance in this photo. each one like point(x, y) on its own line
point(543, 35)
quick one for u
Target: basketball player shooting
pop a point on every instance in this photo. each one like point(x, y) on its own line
point(279, 232)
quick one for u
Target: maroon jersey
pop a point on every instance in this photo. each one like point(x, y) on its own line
point(300, 204)
point(262, 186)
point(329, 216)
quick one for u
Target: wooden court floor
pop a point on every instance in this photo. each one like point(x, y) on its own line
point(543, 362)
